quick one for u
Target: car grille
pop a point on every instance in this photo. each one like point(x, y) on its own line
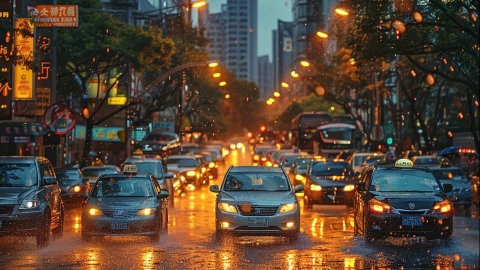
point(412, 212)
point(6, 209)
point(122, 213)
point(257, 210)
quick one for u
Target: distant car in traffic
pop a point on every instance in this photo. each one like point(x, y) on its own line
point(73, 185)
point(329, 182)
point(93, 172)
point(256, 200)
point(426, 160)
point(190, 170)
point(461, 195)
point(161, 143)
point(30, 201)
point(126, 204)
point(402, 200)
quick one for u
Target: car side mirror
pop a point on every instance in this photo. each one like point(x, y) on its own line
point(299, 188)
point(49, 180)
point(361, 186)
point(447, 187)
point(215, 188)
point(163, 194)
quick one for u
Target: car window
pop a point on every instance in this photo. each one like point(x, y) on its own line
point(150, 168)
point(68, 176)
point(450, 175)
point(123, 187)
point(187, 163)
point(256, 182)
point(99, 171)
point(333, 168)
point(17, 174)
point(404, 180)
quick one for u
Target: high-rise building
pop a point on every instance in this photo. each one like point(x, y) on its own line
point(265, 78)
point(239, 17)
point(215, 31)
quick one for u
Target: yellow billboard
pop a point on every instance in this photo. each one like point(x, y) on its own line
point(23, 72)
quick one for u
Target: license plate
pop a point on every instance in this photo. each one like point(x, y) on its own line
point(119, 225)
point(258, 222)
point(412, 221)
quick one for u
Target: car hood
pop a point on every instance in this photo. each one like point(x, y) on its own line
point(403, 200)
point(329, 180)
point(121, 202)
point(14, 195)
point(256, 197)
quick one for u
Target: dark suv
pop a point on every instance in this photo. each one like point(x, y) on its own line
point(30, 202)
point(161, 143)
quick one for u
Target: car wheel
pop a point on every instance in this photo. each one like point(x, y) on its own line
point(158, 230)
point(58, 231)
point(43, 234)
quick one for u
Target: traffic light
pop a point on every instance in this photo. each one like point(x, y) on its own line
point(263, 128)
point(85, 110)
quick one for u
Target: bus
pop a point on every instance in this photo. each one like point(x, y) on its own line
point(304, 129)
point(333, 138)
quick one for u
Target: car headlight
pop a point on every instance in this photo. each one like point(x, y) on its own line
point(75, 189)
point(444, 206)
point(380, 207)
point(226, 207)
point(190, 173)
point(315, 187)
point(30, 202)
point(349, 187)
point(287, 208)
point(94, 212)
point(211, 165)
point(146, 212)
point(299, 177)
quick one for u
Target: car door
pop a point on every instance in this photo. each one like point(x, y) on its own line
point(52, 190)
point(361, 200)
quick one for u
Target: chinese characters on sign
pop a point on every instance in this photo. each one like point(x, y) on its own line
point(6, 53)
point(54, 15)
point(23, 73)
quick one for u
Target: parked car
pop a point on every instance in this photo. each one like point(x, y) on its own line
point(402, 201)
point(73, 185)
point(256, 200)
point(30, 201)
point(461, 195)
point(126, 204)
point(329, 182)
point(161, 143)
point(93, 172)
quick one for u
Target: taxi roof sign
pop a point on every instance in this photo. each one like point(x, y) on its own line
point(404, 163)
point(130, 169)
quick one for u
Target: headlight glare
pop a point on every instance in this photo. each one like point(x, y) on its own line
point(442, 207)
point(30, 202)
point(190, 173)
point(94, 212)
point(225, 207)
point(146, 212)
point(315, 187)
point(379, 207)
point(287, 208)
point(349, 188)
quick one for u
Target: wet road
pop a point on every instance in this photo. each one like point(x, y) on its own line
point(326, 242)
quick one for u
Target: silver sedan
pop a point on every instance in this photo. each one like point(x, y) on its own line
point(256, 200)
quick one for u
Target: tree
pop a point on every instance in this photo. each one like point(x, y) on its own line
point(101, 47)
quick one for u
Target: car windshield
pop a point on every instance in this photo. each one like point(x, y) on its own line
point(453, 174)
point(404, 180)
point(261, 181)
point(89, 172)
point(326, 169)
point(149, 168)
point(427, 161)
point(358, 160)
point(17, 175)
point(123, 187)
point(182, 162)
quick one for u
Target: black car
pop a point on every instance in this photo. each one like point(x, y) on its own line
point(30, 202)
point(402, 201)
point(329, 182)
point(73, 184)
point(126, 204)
point(461, 195)
point(161, 143)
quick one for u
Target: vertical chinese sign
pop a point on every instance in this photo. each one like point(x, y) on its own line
point(6, 55)
point(23, 68)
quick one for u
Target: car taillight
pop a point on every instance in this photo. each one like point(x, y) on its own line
point(380, 207)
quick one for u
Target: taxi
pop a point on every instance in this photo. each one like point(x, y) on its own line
point(402, 201)
point(126, 204)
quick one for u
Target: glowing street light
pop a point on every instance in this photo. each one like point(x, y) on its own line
point(294, 74)
point(198, 4)
point(284, 84)
point(216, 75)
point(223, 83)
point(304, 63)
point(322, 34)
point(276, 94)
point(341, 11)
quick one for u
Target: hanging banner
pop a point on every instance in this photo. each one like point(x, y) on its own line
point(23, 73)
